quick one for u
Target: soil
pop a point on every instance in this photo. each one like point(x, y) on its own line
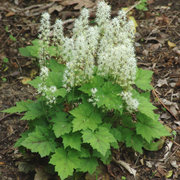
point(157, 48)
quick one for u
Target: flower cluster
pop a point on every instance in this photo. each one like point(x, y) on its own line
point(44, 37)
point(107, 45)
point(116, 57)
point(48, 92)
point(132, 104)
point(58, 37)
point(93, 99)
point(79, 52)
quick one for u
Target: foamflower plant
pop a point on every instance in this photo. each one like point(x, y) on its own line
point(86, 102)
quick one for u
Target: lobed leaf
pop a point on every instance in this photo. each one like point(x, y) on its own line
point(115, 132)
point(136, 142)
point(25, 52)
point(20, 107)
point(145, 106)
point(85, 117)
point(99, 140)
point(108, 96)
point(24, 135)
point(105, 159)
point(34, 110)
point(54, 79)
point(97, 81)
point(143, 79)
point(62, 124)
point(42, 140)
point(55, 66)
point(149, 129)
point(64, 162)
point(88, 165)
point(35, 82)
point(73, 140)
point(60, 92)
point(131, 139)
point(84, 153)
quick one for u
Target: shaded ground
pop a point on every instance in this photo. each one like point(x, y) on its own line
point(157, 48)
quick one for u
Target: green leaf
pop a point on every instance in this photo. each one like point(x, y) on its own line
point(85, 117)
point(4, 79)
point(24, 135)
point(73, 140)
point(99, 140)
point(107, 96)
point(136, 142)
point(146, 95)
point(127, 121)
point(126, 133)
point(20, 107)
point(58, 107)
point(62, 124)
point(41, 121)
point(117, 135)
point(150, 129)
point(88, 164)
point(143, 79)
point(34, 110)
point(115, 132)
point(34, 50)
point(131, 138)
point(12, 38)
point(52, 51)
point(75, 94)
point(84, 153)
point(145, 106)
point(60, 92)
point(55, 66)
point(41, 141)
point(25, 52)
point(35, 42)
point(31, 51)
point(105, 159)
point(64, 162)
point(154, 146)
point(5, 59)
point(54, 79)
point(35, 82)
point(97, 81)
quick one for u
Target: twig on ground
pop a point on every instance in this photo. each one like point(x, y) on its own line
point(10, 115)
point(164, 105)
point(132, 7)
point(172, 21)
point(176, 143)
point(19, 66)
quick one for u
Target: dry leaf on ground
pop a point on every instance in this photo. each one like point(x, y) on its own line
point(171, 45)
point(160, 171)
point(173, 106)
point(25, 80)
point(150, 1)
point(80, 3)
point(126, 166)
point(55, 7)
point(162, 83)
